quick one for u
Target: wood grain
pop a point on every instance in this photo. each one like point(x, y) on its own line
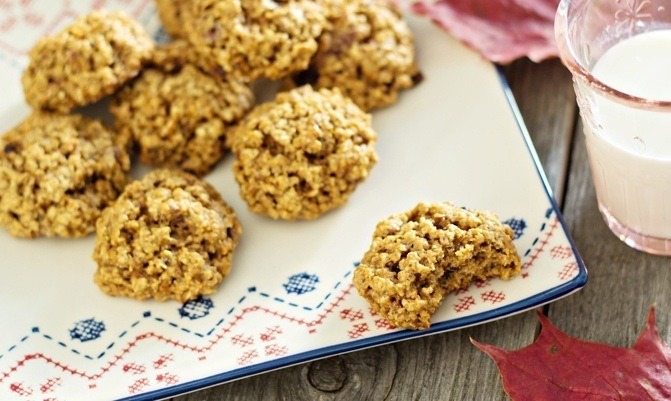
point(623, 283)
point(444, 366)
point(545, 96)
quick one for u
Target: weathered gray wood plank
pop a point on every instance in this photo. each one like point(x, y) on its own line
point(545, 96)
point(444, 366)
point(623, 283)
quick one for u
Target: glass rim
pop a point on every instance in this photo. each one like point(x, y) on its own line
point(568, 58)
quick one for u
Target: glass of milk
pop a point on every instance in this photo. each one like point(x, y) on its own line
point(619, 52)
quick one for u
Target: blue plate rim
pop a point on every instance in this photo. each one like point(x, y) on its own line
point(528, 303)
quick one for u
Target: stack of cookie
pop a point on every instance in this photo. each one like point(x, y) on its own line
point(362, 47)
point(303, 154)
point(170, 235)
point(167, 236)
point(179, 106)
point(59, 170)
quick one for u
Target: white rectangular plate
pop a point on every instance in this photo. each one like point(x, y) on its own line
point(289, 297)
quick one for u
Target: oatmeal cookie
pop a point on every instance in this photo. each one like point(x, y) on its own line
point(56, 175)
point(86, 61)
point(175, 55)
point(419, 256)
point(168, 236)
point(171, 14)
point(302, 154)
point(256, 38)
point(366, 50)
point(178, 115)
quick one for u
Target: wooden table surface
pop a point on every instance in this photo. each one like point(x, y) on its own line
point(623, 284)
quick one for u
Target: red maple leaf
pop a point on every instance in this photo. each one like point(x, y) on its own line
point(501, 30)
point(559, 367)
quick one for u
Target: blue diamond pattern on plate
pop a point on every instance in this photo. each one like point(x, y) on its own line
point(87, 330)
point(301, 283)
point(196, 308)
point(518, 226)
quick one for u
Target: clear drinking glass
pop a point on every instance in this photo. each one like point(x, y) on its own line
point(628, 136)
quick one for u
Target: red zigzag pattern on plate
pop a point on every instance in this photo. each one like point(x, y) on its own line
point(301, 322)
point(541, 244)
point(68, 13)
point(537, 251)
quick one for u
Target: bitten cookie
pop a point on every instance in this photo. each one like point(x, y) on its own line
point(419, 256)
point(302, 154)
point(177, 115)
point(168, 236)
point(57, 173)
point(366, 50)
point(86, 61)
point(256, 38)
point(171, 14)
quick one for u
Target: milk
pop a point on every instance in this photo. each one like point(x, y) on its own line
point(630, 149)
